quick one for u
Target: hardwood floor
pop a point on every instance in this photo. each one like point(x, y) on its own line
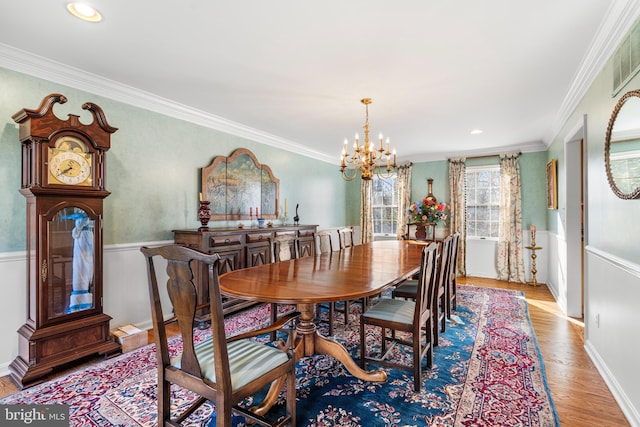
point(581, 397)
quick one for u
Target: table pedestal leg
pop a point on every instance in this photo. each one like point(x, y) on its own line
point(309, 342)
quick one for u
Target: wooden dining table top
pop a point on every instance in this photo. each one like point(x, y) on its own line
point(351, 273)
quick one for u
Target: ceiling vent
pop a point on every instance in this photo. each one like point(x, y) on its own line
point(626, 60)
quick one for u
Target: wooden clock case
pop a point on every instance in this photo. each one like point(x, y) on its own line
point(65, 319)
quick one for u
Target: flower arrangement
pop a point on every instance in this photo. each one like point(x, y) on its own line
point(428, 210)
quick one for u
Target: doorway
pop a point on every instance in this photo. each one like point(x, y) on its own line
point(575, 190)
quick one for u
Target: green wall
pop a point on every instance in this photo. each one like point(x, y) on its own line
point(153, 168)
point(532, 176)
point(612, 223)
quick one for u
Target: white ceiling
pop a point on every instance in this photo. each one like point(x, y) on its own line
point(291, 73)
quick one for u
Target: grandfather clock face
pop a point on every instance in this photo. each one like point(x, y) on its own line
point(71, 237)
point(70, 162)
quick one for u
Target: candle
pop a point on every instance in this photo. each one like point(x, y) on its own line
point(285, 206)
point(250, 211)
point(200, 196)
point(257, 214)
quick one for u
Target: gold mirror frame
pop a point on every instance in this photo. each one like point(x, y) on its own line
point(633, 193)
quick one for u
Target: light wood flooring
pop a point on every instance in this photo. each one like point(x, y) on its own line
point(581, 397)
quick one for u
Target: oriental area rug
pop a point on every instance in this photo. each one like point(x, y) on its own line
point(487, 371)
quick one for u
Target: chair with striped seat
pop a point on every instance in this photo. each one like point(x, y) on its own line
point(221, 370)
point(409, 316)
point(409, 288)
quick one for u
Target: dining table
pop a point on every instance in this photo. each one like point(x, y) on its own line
point(348, 274)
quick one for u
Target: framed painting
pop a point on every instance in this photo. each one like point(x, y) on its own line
point(239, 187)
point(552, 185)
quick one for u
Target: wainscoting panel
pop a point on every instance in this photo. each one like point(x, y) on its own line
point(612, 301)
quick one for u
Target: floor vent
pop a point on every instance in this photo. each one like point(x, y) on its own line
point(626, 60)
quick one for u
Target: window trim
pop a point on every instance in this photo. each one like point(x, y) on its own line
point(386, 235)
point(472, 169)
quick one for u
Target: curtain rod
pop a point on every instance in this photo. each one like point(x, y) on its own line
point(484, 156)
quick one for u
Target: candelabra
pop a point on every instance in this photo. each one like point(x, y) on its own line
point(533, 248)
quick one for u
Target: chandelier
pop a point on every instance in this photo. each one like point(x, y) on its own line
point(366, 158)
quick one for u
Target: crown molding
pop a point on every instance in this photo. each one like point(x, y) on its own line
point(40, 67)
point(618, 20)
point(529, 147)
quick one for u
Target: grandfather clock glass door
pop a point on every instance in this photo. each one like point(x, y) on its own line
point(71, 285)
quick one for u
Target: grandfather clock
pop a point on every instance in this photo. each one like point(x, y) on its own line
point(63, 180)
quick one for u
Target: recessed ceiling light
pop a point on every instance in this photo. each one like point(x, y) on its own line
point(84, 12)
point(476, 132)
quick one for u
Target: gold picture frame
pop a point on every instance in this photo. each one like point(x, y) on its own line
point(552, 185)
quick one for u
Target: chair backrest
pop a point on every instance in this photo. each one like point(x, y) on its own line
point(345, 237)
point(444, 263)
point(323, 241)
point(427, 283)
point(284, 247)
point(455, 249)
point(182, 264)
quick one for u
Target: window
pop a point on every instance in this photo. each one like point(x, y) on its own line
point(385, 205)
point(483, 201)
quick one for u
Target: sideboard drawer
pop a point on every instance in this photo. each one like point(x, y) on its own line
point(258, 237)
point(234, 239)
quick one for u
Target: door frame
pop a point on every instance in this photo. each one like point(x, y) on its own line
point(575, 215)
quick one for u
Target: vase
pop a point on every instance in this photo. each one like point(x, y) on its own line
point(204, 214)
point(421, 230)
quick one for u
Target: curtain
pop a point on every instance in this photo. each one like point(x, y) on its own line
point(404, 198)
point(366, 216)
point(457, 216)
point(510, 259)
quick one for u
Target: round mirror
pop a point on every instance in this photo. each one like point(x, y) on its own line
point(622, 147)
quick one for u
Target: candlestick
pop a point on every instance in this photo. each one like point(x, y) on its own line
point(533, 248)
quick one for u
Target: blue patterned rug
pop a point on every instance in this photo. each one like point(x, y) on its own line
point(487, 371)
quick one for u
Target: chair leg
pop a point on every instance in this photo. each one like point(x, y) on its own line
point(417, 364)
point(291, 397)
point(454, 295)
point(274, 318)
point(363, 349)
point(332, 309)
point(223, 414)
point(347, 305)
point(443, 305)
point(164, 401)
point(435, 320)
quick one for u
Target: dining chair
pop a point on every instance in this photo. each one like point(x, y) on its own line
point(324, 245)
point(223, 370)
point(284, 249)
point(345, 240)
point(406, 316)
point(409, 288)
point(345, 237)
point(452, 282)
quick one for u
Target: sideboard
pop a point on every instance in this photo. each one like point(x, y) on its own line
point(239, 248)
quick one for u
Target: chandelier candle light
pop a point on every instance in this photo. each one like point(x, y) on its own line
point(366, 158)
